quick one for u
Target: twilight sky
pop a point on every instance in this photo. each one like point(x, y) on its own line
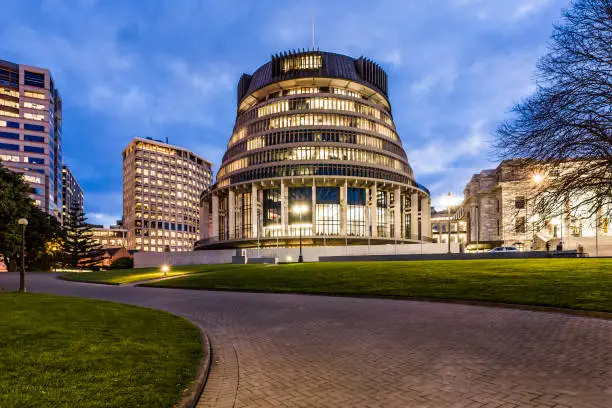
point(169, 68)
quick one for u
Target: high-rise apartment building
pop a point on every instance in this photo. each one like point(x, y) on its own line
point(31, 131)
point(72, 194)
point(162, 185)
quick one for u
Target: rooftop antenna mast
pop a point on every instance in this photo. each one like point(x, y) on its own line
point(313, 28)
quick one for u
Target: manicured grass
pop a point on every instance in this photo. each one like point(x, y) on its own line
point(121, 276)
point(69, 352)
point(567, 283)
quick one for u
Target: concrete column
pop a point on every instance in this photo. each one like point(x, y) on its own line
point(215, 216)
point(425, 217)
point(374, 214)
point(231, 214)
point(343, 207)
point(414, 216)
point(254, 210)
point(204, 220)
point(397, 213)
point(284, 206)
point(388, 219)
point(313, 212)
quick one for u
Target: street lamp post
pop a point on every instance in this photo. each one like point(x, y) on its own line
point(22, 287)
point(300, 209)
point(449, 198)
point(477, 228)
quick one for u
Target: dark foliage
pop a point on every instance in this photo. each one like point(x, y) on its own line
point(565, 128)
point(122, 263)
point(79, 247)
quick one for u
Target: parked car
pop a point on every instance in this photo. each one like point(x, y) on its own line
point(505, 249)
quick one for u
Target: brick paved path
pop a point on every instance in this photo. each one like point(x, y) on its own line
point(274, 350)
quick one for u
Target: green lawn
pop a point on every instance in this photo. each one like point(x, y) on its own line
point(567, 283)
point(121, 276)
point(69, 352)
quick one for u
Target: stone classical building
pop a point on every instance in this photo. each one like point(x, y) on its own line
point(314, 152)
point(31, 131)
point(162, 184)
point(498, 210)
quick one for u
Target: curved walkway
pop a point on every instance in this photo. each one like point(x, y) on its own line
point(278, 350)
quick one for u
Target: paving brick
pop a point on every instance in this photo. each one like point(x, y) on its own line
point(273, 350)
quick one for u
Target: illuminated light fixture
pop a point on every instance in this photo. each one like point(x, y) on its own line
point(537, 178)
point(300, 208)
point(165, 268)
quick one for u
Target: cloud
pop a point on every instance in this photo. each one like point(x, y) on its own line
point(442, 79)
point(503, 10)
point(439, 156)
point(102, 219)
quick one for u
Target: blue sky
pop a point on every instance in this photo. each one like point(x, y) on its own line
point(169, 68)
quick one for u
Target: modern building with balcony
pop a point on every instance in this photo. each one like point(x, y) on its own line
point(315, 153)
point(442, 223)
point(31, 131)
point(72, 195)
point(162, 185)
point(113, 237)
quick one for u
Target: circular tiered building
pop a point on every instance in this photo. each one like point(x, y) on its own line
point(314, 151)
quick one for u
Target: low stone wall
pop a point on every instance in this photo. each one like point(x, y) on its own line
point(311, 254)
point(155, 259)
point(600, 247)
point(448, 257)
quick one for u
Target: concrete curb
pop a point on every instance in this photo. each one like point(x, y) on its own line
point(192, 394)
point(163, 278)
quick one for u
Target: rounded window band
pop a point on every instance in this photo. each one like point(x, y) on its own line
point(313, 135)
point(305, 170)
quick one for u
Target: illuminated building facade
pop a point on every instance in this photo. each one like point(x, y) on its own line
point(162, 185)
point(498, 209)
point(314, 151)
point(31, 131)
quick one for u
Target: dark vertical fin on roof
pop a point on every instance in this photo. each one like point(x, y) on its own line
point(243, 85)
point(372, 73)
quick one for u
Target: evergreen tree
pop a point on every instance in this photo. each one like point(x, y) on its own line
point(79, 247)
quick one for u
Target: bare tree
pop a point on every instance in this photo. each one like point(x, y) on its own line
point(565, 127)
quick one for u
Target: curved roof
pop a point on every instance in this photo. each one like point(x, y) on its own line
point(361, 70)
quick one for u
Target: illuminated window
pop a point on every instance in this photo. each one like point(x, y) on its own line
point(8, 113)
point(6, 157)
point(35, 95)
point(33, 116)
point(302, 90)
point(33, 105)
point(301, 61)
point(11, 104)
point(9, 92)
point(328, 211)
point(32, 179)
